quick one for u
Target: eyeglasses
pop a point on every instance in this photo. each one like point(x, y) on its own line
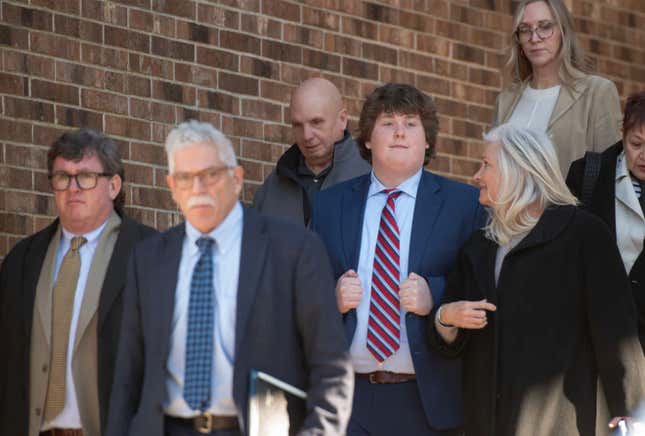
point(544, 30)
point(208, 177)
point(85, 180)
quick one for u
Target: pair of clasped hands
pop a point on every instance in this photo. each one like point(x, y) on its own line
point(415, 297)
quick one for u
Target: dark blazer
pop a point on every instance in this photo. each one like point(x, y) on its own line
point(18, 279)
point(285, 325)
point(603, 204)
point(445, 215)
point(564, 321)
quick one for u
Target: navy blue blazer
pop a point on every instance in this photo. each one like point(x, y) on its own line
point(283, 327)
point(445, 215)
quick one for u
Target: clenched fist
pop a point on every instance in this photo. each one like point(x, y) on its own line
point(348, 291)
point(415, 296)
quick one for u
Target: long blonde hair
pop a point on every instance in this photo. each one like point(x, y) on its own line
point(574, 62)
point(529, 180)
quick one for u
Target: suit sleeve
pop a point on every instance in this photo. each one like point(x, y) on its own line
point(606, 116)
point(611, 316)
point(331, 380)
point(128, 378)
point(575, 177)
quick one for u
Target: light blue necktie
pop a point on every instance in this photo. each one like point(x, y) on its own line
point(199, 335)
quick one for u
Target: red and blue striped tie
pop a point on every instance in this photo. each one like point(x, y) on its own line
point(384, 324)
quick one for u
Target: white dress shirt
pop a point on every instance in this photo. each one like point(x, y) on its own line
point(69, 417)
point(363, 360)
point(534, 109)
point(630, 222)
point(226, 267)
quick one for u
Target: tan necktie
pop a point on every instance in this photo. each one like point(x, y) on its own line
point(62, 307)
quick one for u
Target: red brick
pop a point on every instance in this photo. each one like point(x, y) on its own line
point(282, 52)
point(215, 16)
point(104, 101)
point(467, 53)
point(148, 153)
point(343, 45)
point(14, 37)
point(139, 174)
point(15, 131)
point(173, 49)
point(396, 36)
point(242, 127)
point(379, 53)
point(256, 150)
point(151, 66)
point(73, 117)
point(15, 223)
point(79, 74)
point(276, 91)
point(105, 12)
point(72, 7)
point(260, 68)
point(381, 13)
point(240, 42)
point(173, 92)
point(217, 58)
point(416, 21)
point(15, 85)
point(262, 26)
point(141, 20)
point(131, 40)
point(15, 178)
point(46, 135)
point(277, 133)
point(115, 81)
point(320, 18)
point(136, 85)
point(433, 44)
point(29, 109)
point(197, 32)
point(238, 84)
point(164, 25)
point(281, 9)
point(262, 110)
point(303, 35)
point(127, 127)
point(433, 85)
point(183, 8)
point(196, 75)
point(54, 92)
point(137, 3)
point(26, 17)
point(56, 46)
point(248, 5)
point(153, 111)
point(360, 28)
point(106, 57)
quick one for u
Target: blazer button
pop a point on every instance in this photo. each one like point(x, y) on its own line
point(45, 367)
point(37, 411)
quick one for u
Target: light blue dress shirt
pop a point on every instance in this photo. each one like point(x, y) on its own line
point(363, 360)
point(69, 417)
point(226, 267)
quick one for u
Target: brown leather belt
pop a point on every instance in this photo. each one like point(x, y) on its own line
point(384, 377)
point(207, 423)
point(62, 432)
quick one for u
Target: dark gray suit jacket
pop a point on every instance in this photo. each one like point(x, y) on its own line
point(287, 325)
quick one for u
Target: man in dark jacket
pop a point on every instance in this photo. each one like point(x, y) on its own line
point(324, 153)
point(60, 296)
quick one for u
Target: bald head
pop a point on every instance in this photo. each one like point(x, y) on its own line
point(318, 120)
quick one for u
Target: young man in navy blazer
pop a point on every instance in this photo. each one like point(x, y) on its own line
point(392, 236)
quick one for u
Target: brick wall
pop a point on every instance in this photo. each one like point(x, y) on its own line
point(134, 68)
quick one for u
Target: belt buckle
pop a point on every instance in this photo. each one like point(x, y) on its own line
point(372, 378)
point(203, 423)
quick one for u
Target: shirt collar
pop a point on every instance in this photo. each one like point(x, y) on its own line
point(89, 236)
point(224, 234)
point(408, 186)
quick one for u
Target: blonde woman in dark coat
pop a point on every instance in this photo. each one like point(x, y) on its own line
point(539, 304)
point(550, 90)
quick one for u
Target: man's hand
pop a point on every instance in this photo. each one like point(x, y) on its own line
point(348, 291)
point(466, 314)
point(415, 296)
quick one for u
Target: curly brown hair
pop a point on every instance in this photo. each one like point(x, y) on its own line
point(398, 98)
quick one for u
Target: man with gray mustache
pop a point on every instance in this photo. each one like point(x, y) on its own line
point(225, 292)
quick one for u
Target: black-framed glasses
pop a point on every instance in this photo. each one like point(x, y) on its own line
point(85, 180)
point(543, 30)
point(208, 176)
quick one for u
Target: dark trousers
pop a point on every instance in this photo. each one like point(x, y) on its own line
point(174, 427)
point(390, 409)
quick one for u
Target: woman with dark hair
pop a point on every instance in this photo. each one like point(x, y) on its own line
point(617, 195)
point(538, 304)
point(551, 90)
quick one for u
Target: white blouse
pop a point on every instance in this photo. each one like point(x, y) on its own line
point(534, 109)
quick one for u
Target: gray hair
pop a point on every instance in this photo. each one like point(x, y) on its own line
point(193, 131)
point(529, 175)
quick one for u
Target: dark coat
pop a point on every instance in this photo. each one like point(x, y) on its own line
point(287, 325)
point(603, 204)
point(565, 319)
point(445, 215)
point(282, 195)
point(18, 279)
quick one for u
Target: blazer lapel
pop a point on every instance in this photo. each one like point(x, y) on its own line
point(508, 111)
point(252, 260)
point(352, 214)
point(43, 263)
point(626, 195)
point(96, 276)
point(426, 211)
point(566, 99)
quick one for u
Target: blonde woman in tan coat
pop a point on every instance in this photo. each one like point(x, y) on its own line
point(550, 90)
